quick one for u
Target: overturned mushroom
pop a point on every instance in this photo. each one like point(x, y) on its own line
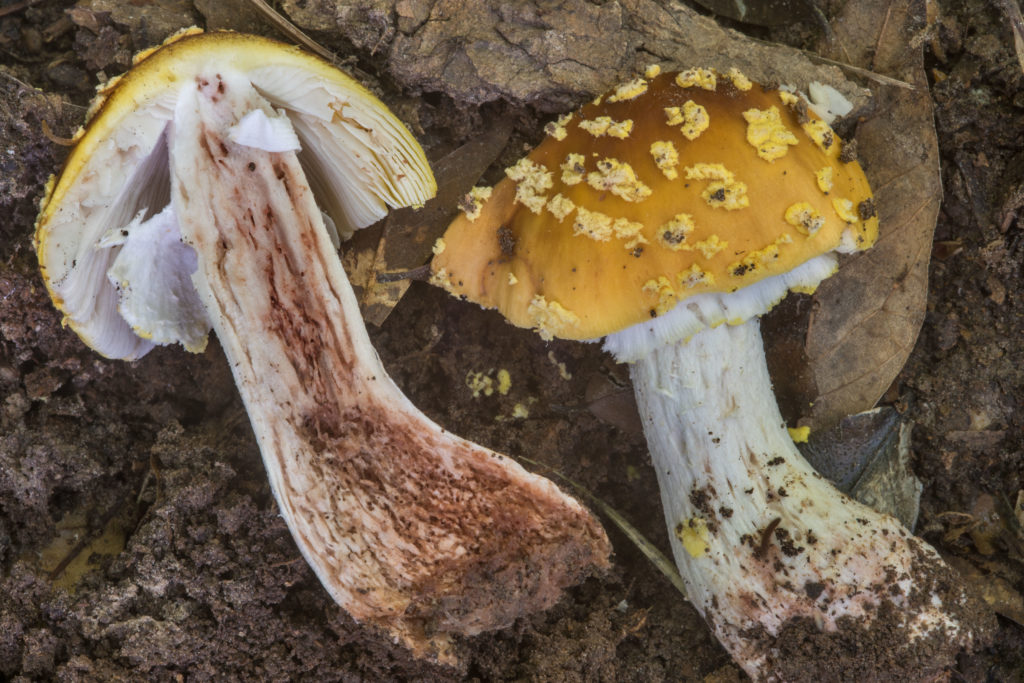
point(667, 216)
point(188, 202)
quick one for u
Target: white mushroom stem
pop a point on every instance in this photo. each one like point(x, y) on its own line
point(408, 526)
point(770, 552)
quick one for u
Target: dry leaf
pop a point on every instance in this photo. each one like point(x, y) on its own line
point(409, 234)
point(869, 314)
point(609, 397)
point(867, 456)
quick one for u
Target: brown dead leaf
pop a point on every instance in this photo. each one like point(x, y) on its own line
point(409, 234)
point(609, 397)
point(869, 315)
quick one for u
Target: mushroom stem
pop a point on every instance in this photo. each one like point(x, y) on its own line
point(773, 556)
point(408, 526)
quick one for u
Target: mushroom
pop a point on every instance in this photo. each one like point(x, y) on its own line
point(666, 216)
point(201, 195)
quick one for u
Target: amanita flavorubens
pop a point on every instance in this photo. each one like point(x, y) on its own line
point(666, 216)
point(193, 199)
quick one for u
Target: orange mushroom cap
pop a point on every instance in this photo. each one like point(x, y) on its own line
point(667, 187)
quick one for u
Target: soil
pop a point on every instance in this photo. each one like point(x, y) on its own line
point(138, 535)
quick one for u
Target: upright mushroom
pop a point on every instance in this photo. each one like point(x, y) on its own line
point(191, 201)
point(667, 216)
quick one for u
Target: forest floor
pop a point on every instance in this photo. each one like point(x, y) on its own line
point(139, 538)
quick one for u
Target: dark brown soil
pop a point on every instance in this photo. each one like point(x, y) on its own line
point(138, 535)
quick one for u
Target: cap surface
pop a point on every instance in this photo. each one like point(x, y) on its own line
point(668, 187)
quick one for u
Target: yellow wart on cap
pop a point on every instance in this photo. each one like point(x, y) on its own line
point(723, 190)
point(605, 125)
point(739, 80)
point(601, 227)
point(844, 207)
point(768, 134)
point(596, 127)
point(701, 78)
point(760, 257)
point(661, 289)
point(550, 318)
point(695, 276)
point(702, 171)
point(666, 157)
point(804, 218)
point(618, 178)
point(820, 133)
point(695, 120)
point(560, 206)
point(557, 128)
point(621, 129)
point(672, 234)
point(532, 180)
point(711, 246)
point(473, 202)
point(629, 231)
point(629, 90)
point(788, 98)
point(592, 224)
point(826, 179)
point(573, 169)
point(441, 278)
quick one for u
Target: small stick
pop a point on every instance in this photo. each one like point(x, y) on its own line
point(421, 273)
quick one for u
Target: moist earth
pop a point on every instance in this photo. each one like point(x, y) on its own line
point(138, 534)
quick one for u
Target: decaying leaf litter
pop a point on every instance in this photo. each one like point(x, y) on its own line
point(64, 421)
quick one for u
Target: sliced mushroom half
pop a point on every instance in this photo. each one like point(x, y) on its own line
point(203, 193)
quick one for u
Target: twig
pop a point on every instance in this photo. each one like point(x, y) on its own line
point(292, 31)
point(54, 138)
point(860, 71)
point(419, 273)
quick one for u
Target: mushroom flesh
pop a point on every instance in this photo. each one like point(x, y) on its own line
point(204, 193)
